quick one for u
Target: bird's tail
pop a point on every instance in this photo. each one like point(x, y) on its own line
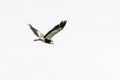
point(36, 39)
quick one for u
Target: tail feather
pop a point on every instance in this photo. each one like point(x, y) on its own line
point(36, 39)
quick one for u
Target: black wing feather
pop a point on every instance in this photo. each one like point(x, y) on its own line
point(61, 25)
point(35, 31)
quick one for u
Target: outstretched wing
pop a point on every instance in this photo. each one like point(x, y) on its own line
point(36, 32)
point(55, 30)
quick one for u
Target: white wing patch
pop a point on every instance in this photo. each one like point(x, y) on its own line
point(41, 35)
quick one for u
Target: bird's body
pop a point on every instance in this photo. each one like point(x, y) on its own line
point(47, 37)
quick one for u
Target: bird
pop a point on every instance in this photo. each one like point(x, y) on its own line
point(47, 38)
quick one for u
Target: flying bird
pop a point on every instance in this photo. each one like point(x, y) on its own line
point(48, 36)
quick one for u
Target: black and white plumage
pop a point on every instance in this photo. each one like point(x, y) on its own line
point(47, 37)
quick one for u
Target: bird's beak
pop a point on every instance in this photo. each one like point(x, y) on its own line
point(52, 43)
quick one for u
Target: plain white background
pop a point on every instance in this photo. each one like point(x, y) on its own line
point(88, 48)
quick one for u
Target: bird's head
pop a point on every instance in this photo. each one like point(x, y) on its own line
point(51, 42)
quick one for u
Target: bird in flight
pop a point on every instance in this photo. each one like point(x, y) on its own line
point(47, 37)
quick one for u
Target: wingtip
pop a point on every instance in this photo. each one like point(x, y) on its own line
point(64, 21)
point(29, 25)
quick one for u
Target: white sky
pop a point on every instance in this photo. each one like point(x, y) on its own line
point(87, 49)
